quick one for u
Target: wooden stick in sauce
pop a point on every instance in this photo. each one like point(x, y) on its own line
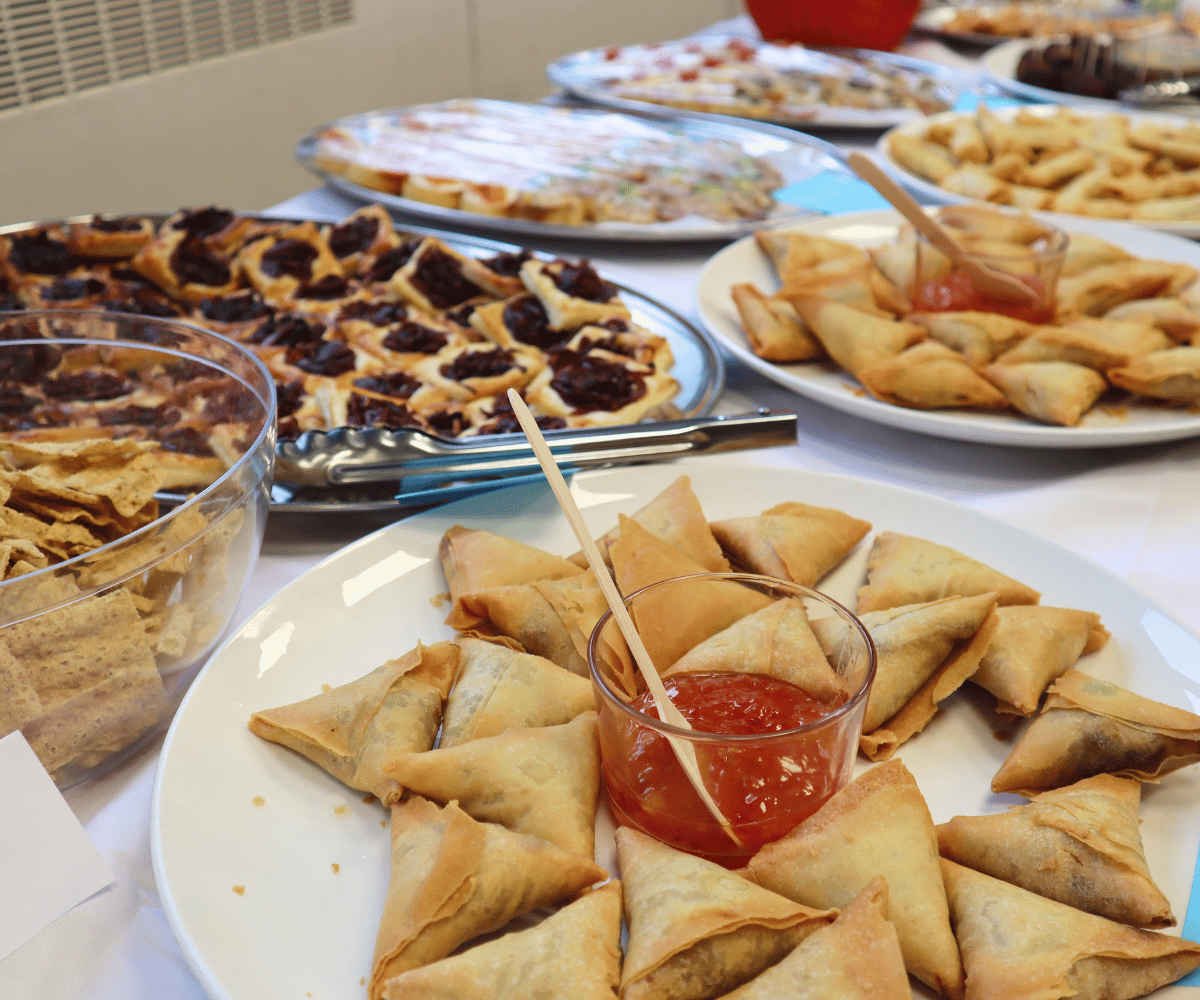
point(667, 712)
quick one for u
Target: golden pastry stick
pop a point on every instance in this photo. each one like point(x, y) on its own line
point(684, 751)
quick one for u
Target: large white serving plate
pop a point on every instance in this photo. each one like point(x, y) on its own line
point(931, 192)
point(1000, 66)
point(301, 930)
point(822, 381)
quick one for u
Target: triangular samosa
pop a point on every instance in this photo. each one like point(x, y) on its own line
point(522, 613)
point(906, 570)
point(792, 541)
point(1018, 946)
point(356, 730)
point(542, 782)
point(854, 338)
point(1033, 646)
point(1088, 726)
point(574, 953)
point(857, 957)
point(697, 931)
point(454, 879)
point(475, 560)
point(500, 688)
point(579, 603)
point(914, 643)
point(777, 641)
point(1079, 845)
point(675, 517)
point(879, 824)
point(931, 376)
point(1054, 392)
point(673, 619)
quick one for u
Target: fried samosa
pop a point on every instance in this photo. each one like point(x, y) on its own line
point(357, 730)
point(913, 644)
point(476, 560)
point(1016, 945)
point(1054, 392)
point(855, 339)
point(697, 931)
point(500, 689)
point(979, 336)
point(774, 328)
point(1172, 375)
point(931, 376)
point(879, 824)
point(906, 570)
point(675, 517)
point(1033, 646)
point(543, 782)
point(792, 541)
point(1079, 845)
point(777, 641)
point(454, 879)
point(1088, 726)
point(857, 957)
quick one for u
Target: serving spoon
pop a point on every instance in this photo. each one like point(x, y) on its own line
point(987, 280)
point(685, 753)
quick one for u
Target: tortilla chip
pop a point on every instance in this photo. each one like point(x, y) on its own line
point(19, 701)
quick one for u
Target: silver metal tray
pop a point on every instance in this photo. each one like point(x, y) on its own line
point(583, 73)
point(796, 156)
point(699, 370)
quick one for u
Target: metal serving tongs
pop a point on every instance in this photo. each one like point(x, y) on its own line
point(417, 460)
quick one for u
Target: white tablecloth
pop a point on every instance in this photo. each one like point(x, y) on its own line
point(1134, 511)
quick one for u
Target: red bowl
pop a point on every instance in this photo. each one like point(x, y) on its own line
point(864, 24)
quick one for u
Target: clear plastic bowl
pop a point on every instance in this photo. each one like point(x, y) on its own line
point(97, 650)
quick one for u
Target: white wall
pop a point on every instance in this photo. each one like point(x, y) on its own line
point(222, 131)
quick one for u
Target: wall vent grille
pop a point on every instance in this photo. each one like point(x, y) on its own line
point(53, 48)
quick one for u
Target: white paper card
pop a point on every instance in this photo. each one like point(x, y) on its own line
point(47, 863)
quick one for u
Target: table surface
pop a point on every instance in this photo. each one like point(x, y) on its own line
point(1131, 510)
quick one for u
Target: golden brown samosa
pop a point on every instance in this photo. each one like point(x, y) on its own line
point(777, 641)
point(879, 824)
point(792, 541)
point(500, 689)
point(1016, 945)
point(931, 376)
point(574, 953)
point(979, 336)
point(356, 730)
point(671, 620)
point(1054, 392)
point(696, 931)
point(1079, 845)
point(476, 560)
point(906, 570)
point(1172, 375)
point(454, 879)
point(913, 643)
point(857, 957)
point(773, 327)
point(542, 782)
point(1033, 646)
point(855, 339)
point(1088, 726)
point(675, 517)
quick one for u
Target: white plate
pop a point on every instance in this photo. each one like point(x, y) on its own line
point(743, 261)
point(931, 192)
point(797, 157)
point(1000, 66)
point(301, 930)
point(589, 75)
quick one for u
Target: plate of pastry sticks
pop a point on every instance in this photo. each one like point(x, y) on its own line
point(273, 874)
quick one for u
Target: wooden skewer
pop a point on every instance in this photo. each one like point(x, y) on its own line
point(987, 279)
point(685, 753)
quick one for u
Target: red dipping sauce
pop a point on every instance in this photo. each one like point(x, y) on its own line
point(777, 769)
point(954, 292)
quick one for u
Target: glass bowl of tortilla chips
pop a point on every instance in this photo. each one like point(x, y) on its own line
point(135, 466)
